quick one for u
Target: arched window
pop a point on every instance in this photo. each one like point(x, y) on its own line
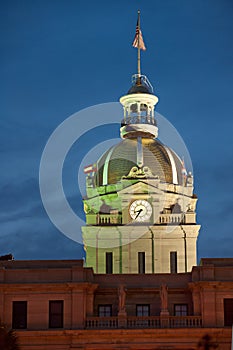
point(143, 109)
point(134, 113)
point(134, 108)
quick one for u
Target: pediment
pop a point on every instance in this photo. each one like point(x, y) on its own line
point(141, 187)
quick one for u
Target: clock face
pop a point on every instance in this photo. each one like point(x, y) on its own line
point(140, 210)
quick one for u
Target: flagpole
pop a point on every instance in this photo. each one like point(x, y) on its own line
point(139, 58)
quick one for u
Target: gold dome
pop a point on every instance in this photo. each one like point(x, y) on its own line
point(121, 158)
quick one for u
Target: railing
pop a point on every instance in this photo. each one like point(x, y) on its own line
point(133, 322)
point(185, 322)
point(111, 219)
point(108, 219)
point(143, 322)
point(101, 322)
point(170, 218)
point(139, 119)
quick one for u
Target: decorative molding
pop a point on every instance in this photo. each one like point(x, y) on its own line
point(140, 173)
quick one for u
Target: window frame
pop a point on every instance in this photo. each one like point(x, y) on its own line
point(143, 306)
point(173, 261)
point(21, 317)
point(181, 311)
point(141, 262)
point(52, 323)
point(228, 315)
point(105, 306)
point(109, 267)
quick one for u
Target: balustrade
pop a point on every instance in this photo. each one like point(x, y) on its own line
point(101, 322)
point(143, 322)
point(108, 219)
point(134, 322)
point(185, 321)
point(170, 219)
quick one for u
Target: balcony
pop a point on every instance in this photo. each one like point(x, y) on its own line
point(134, 322)
point(172, 219)
point(139, 118)
point(108, 219)
point(113, 218)
point(101, 322)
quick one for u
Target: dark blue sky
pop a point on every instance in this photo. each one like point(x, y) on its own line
point(58, 57)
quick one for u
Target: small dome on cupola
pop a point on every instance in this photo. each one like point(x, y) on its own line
point(138, 105)
point(140, 85)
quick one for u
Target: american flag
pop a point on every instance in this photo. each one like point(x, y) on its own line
point(138, 39)
point(91, 168)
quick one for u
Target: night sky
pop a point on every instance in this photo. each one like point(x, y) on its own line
point(58, 57)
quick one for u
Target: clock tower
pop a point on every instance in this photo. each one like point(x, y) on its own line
point(140, 206)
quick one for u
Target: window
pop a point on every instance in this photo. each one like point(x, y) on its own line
point(141, 262)
point(173, 262)
point(143, 310)
point(109, 262)
point(134, 108)
point(56, 314)
point(228, 312)
point(143, 109)
point(181, 310)
point(105, 310)
point(19, 315)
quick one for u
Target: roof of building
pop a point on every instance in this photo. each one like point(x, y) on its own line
point(218, 262)
point(54, 271)
point(121, 158)
point(142, 89)
point(141, 85)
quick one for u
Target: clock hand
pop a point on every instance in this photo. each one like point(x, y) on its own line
point(138, 213)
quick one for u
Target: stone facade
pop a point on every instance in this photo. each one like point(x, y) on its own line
point(117, 311)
